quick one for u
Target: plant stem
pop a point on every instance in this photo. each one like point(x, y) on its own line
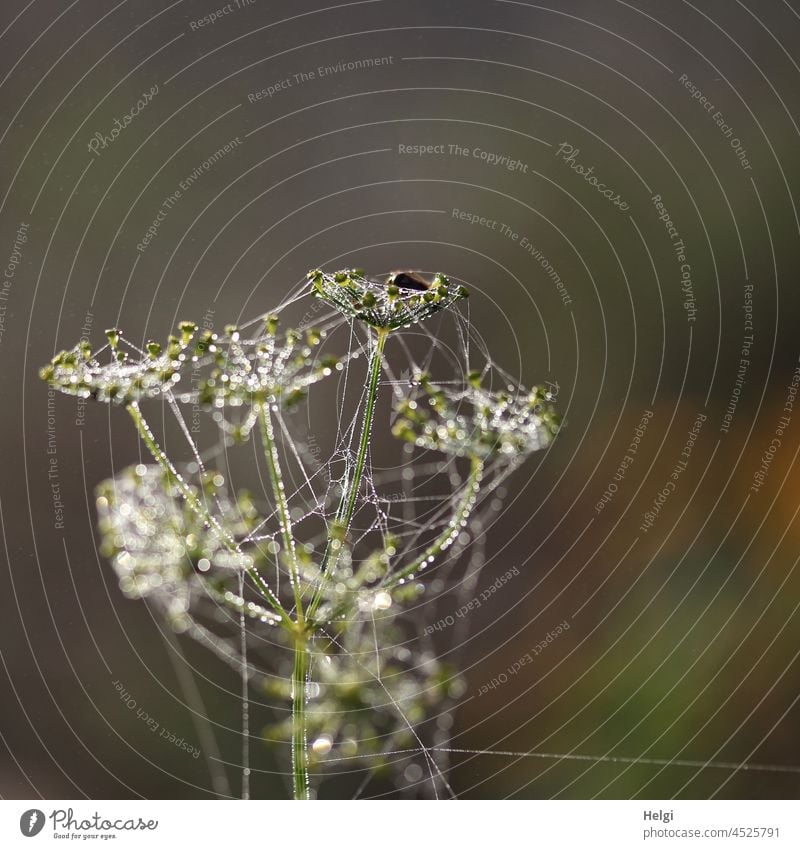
point(279, 492)
point(196, 504)
point(299, 741)
point(174, 477)
point(452, 529)
point(376, 361)
point(347, 505)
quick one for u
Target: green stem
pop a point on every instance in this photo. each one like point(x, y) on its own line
point(376, 361)
point(279, 492)
point(452, 529)
point(174, 477)
point(299, 742)
point(196, 504)
point(347, 505)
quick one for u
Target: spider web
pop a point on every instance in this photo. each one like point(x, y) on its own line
point(408, 500)
point(408, 496)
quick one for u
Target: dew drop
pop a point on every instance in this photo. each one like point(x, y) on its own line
point(322, 745)
point(413, 773)
point(383, 600)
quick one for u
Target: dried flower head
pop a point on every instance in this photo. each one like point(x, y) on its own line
point(475, 422)
point(129, 375)
point(272, 367)
point(404, 299)
point(159, 546)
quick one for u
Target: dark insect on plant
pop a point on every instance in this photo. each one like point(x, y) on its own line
point(408, 280)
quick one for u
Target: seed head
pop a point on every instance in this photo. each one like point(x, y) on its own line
point(272, 367)
point(129, 375)
point(472, 421)
point(159, 547)
point(389, 304)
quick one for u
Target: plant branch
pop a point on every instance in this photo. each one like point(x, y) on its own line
point(452, 529)
point(196, 504)
point(279, 492)
point(347, 505)
point(300, 780)
point(376, 360)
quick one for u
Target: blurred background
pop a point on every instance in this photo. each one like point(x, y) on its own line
point(616, 183)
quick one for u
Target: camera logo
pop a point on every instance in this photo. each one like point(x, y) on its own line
point(31, 822)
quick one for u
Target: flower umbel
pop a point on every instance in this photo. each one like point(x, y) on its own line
point(273, 366)
point(130, 375)
point(475, 422)
point(164, 550)
point(401, 301)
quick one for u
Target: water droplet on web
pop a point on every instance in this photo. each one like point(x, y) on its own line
point(383, 601)
point(322, 745)
point(413, 773)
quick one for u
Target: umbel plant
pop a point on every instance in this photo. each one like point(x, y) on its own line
point(300, 586)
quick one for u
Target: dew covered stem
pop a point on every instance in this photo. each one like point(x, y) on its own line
point(173, 476)
point(376, 361)
point(279, 493)
point(194, 502)
point(352, 486)
point(300, 777)
point(452, 529)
